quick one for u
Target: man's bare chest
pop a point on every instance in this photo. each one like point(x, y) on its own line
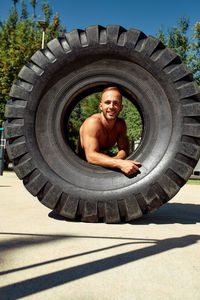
point(107, 140)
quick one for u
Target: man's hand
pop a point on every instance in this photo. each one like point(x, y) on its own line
point(92, 133)
point(129, 167)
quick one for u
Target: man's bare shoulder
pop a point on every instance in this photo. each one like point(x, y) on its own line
point(121, 124)
point(121, 121)
point(94, 120)
point(91, 125)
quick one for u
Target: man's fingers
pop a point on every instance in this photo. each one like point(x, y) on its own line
point(133, 169)
point(130, 167)
point(136, 163)
point(135, 166)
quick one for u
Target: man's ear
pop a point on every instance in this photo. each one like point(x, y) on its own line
point(100, 105)
point(121, 107)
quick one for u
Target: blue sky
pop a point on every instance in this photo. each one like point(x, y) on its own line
point(144, 15)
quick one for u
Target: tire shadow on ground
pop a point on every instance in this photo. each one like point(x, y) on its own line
point(169, 213)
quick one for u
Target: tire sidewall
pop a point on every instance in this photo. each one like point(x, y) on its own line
point(153, 93)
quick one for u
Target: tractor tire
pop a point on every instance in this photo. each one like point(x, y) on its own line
point(75, 66)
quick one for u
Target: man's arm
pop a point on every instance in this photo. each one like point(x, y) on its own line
point(92, 151)
point(122, 142)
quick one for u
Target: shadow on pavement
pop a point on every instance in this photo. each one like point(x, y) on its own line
point(5, 186)
point(73, 256)
point(44, 282)
point(169, 213)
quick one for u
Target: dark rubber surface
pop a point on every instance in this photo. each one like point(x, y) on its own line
point(77, 65)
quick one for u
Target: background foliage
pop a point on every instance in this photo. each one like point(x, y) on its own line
point(186, 45)
point(20, 38)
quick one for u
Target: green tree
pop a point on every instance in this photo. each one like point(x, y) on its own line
point(33, 3)
point(194, 58)
point(187, 47)
point(83, 110)
point(133, 122)
point(20, 38)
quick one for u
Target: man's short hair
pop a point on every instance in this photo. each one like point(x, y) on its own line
point(111, 88)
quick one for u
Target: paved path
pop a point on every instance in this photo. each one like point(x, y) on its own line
point(156, 257)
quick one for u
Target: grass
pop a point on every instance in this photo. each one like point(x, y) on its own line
point(193, 181)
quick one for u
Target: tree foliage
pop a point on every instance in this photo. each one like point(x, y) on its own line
point(20, 38)
point(185, 45)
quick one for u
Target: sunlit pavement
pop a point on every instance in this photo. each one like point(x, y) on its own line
point(156, 257)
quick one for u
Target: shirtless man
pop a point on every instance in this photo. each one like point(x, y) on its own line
point(102, 130)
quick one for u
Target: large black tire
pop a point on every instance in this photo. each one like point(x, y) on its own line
point(77, 65)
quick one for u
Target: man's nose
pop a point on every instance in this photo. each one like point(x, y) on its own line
point(111, 105)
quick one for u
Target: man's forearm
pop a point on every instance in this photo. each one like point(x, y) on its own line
point(103, 160)
point(127, 166)
point(121, 155)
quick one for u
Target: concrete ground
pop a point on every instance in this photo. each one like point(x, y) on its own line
point(155, 257)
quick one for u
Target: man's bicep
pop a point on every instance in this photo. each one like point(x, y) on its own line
point(123, 141)
point(90, 138)
point(91, 143)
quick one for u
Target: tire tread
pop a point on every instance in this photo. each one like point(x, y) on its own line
point(35, 183)
point(51, 198)
point(70, 206)
point(44, 63)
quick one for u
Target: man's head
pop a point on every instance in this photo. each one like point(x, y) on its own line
point(111, 103)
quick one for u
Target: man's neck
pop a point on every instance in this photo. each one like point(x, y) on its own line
point(107, 124)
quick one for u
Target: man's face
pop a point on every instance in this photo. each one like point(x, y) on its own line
point(111, 104)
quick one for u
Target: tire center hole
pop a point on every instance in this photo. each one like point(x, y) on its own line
point(89, 106)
